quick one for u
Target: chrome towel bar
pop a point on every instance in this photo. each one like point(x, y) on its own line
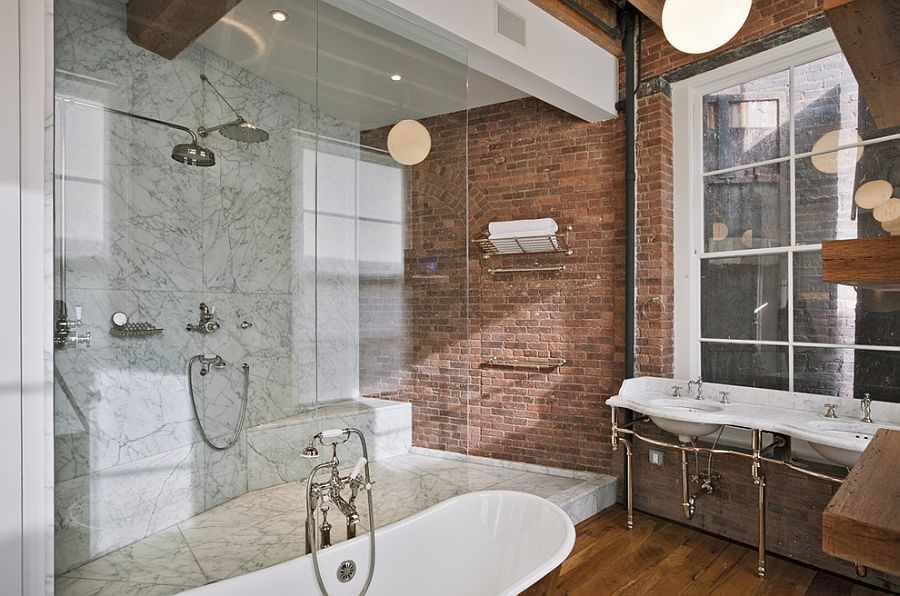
point(527, 362)
point(556, 269)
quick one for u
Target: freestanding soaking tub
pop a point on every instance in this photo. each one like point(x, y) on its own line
point(493, 543)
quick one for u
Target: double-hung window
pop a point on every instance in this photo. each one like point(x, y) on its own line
point(771, 154)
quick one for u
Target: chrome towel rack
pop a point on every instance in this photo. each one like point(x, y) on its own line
point(555, 269)
point(527, 362)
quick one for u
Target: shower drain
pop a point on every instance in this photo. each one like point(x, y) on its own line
point(346, 571)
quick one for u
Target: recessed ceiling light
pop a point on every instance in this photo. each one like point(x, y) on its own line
point(279, 15)
point(396, 77)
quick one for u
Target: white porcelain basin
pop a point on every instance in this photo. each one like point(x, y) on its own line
point(685, 430)
point(856, 435)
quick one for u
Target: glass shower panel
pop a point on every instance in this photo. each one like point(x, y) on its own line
point(205, 263)
point(392, 230)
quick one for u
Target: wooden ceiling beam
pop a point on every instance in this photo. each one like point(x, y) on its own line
point(652, 9)
point(581, 24)
point(166, 27)
point(867, 33)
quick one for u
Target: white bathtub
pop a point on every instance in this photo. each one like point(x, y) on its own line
point(478, 544)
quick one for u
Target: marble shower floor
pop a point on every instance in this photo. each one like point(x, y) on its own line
point(264, 527)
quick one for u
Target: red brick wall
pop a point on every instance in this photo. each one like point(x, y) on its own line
point(766, 16)
point(526, 159)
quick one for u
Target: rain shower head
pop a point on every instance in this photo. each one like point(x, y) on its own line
point(238, 129)
point(193, 154)
point(244, 132)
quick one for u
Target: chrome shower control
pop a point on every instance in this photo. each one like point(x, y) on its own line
point(207, 323)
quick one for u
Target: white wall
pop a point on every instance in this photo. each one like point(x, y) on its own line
point(557, 65)
point(23, 300)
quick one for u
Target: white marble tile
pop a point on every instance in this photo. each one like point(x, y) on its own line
point(91, 587)
point(163, 558)
point(537, 484)
point(101, 512)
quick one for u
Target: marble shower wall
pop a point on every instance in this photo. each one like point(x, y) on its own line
point(153, 238)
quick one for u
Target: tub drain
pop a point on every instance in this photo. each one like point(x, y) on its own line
point(346, 571)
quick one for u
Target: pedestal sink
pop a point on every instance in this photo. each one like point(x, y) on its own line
point(686, 431)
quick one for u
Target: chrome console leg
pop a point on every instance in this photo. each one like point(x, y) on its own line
point(759, 478)
point(629, 488)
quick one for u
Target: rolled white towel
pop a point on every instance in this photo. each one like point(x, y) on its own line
point(522, 227)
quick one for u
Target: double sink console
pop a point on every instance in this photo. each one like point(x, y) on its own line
point(838, 429)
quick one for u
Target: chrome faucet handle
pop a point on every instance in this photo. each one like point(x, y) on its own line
point(829, 410)
point(724, 397)
point(676, 390)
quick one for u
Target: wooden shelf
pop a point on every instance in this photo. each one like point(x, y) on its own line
point(862, 522)
point(867, 33)
point(870, 263)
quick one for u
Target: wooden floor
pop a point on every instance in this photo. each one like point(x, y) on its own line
point(659, 557)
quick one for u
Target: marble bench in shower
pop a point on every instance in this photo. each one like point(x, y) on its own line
point(274, 448)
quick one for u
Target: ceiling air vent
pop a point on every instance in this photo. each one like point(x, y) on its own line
point(510, 25)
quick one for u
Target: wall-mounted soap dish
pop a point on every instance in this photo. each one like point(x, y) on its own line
point(122, 328)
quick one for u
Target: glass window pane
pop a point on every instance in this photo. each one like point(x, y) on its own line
point(745, 365)
point(748, 208)
point(828, 183)
point(747, 123)
point(828, 107)
point(839, 314)
point(847, 372)
point(744, 298)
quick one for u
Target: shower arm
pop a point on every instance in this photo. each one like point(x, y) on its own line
point(154, 121)
point(239, 120)
point(204, 132)
point(135, 116)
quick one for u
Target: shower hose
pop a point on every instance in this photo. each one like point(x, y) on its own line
point(237, 433)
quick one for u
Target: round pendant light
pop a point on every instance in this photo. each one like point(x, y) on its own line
point(892, 227)
point(719, 231)
point(700, 26)
point(872, 194)
point(747, 238)
point(887, 211)
point(409, 142)
point(830, 163)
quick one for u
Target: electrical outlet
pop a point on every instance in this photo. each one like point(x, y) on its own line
point(657, 457)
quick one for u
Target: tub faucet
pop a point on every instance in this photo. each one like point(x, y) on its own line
point(698, 383)
point(866, 406)
point(325, 494)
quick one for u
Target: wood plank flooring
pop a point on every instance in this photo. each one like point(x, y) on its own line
point(659, 557)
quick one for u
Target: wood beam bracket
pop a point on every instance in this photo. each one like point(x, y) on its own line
point(166, 27)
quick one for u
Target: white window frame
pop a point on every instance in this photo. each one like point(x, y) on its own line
point(687, 121)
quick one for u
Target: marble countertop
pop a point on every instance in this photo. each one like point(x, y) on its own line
point(798, 415)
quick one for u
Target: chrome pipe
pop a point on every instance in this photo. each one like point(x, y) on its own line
point(687, 501)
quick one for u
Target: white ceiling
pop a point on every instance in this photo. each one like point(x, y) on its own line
point(355, 59)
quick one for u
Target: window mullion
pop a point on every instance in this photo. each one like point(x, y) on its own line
point(793, 226)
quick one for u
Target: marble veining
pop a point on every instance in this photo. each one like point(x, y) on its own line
point(801, 416)
point(264, 527)
point(153, 238)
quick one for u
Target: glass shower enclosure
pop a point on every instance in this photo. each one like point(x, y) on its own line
point(225, 292)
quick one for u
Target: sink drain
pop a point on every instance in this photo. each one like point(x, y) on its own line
point(346, 571)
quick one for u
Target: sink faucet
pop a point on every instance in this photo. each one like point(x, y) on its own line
point(866, 407)
point(698, 383)
point(829, 410)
